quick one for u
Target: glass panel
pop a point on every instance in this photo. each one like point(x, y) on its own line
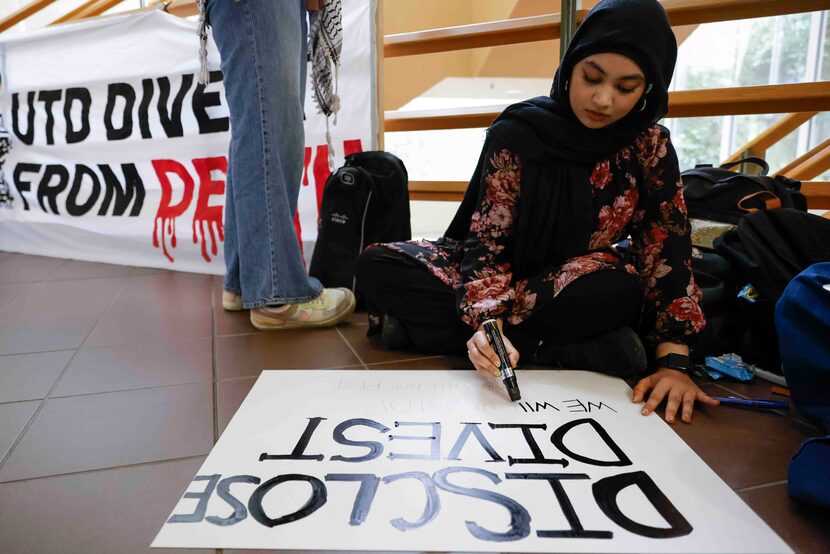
point(820, 133)
point(697, 140)
point(825, 55)
point(756, 52)
point(747, 127)
point(706, 59)
point(821, 129)
point(746, 53)
point(783, 153)
point(796, 39)
point(751, 52)
point(437, 155)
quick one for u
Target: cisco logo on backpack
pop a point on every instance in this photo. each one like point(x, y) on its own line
point(342, 219)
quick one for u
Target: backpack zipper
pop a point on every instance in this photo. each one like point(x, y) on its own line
point(362, 234)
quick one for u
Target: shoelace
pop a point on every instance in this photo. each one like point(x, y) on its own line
point(319, 301)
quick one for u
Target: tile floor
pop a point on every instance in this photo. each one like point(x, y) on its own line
point(115, 382)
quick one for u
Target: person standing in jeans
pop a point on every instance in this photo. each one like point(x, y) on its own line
point(263, 50)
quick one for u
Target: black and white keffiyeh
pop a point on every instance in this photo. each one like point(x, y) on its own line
point(203, 77)
point(325, 43)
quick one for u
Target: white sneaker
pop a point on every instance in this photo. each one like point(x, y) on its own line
point(330, 308)
point(231, 301)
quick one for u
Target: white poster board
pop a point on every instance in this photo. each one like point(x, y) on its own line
point(111, 152)
point(442, 461)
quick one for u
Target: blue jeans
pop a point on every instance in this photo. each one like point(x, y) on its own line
point(262, 44)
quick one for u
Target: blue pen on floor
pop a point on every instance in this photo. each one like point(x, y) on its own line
point(752, 403)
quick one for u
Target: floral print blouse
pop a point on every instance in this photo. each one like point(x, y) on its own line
point(648, 208)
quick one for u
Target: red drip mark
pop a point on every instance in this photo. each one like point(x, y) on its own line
point(167, 214)
point(321, 172)
point(305, 165)
point(352, 147)
point(206, 215)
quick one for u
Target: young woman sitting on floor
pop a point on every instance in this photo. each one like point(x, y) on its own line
point(562, 181)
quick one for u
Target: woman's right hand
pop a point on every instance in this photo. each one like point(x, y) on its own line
point(484, 358)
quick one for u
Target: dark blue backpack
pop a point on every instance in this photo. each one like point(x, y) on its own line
point(802, 318)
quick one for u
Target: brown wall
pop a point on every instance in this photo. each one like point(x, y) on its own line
point(409, 76)
point(536, 59)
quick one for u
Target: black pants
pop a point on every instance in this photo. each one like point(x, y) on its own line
point(395, 284)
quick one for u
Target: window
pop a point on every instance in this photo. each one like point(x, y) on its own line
point(772, 50)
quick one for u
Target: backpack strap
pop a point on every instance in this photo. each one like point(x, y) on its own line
point(770, 200)
point(760, 162)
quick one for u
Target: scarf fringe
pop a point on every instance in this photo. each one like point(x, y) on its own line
point(330, 145)
point(203, 77)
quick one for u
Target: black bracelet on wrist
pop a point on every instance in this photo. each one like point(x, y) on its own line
point(680, 362)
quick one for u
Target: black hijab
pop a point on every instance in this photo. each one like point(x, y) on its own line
point(557, 152)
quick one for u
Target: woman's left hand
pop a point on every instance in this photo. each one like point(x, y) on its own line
point(677, 388)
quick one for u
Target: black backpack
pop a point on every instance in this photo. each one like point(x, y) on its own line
point(725, 321)
point(768, 249)
point(365, 201)
point(720, 194)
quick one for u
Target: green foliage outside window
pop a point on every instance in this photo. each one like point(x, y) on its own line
point(773, 50)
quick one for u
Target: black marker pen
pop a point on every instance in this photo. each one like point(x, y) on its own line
point(491, 329)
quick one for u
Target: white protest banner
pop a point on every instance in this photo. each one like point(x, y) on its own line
point(110, 151)
point(442, 461)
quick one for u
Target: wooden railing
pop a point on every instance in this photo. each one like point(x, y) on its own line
point(818, 195)
point(547, 27)
point(818, 192)
point(544, 27)
point(811, 97)
point(23, 13)
point(810, 164)
point(780, 129)
point(681, 12)
point(182, 8)
point(91, 8)
point(800, 101)
point(437, 190)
